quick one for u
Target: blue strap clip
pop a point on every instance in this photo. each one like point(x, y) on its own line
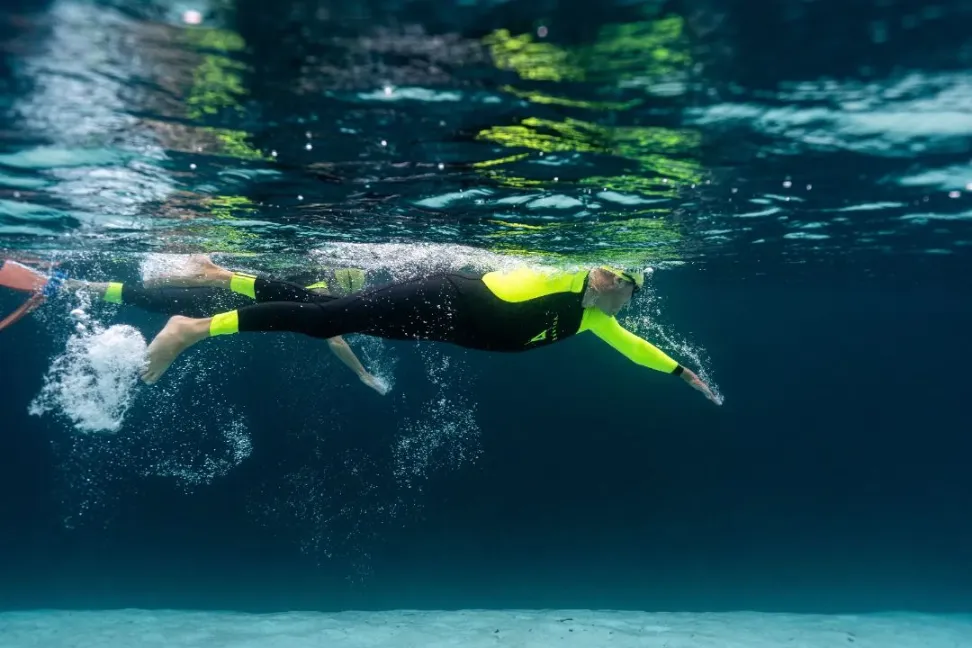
point(54, 283)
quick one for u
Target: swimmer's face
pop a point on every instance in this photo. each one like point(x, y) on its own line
point(616, 296)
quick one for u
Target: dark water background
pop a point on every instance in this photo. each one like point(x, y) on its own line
point(834, 478)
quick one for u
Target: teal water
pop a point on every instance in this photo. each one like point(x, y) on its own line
point(794, 176)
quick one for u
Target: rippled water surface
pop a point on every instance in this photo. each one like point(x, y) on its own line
point(645, 131)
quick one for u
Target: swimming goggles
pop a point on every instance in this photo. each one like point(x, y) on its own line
point(637, 279)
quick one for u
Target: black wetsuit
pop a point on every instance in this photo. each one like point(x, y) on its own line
point(492, 312)
point(451, 307)
point(205, 301)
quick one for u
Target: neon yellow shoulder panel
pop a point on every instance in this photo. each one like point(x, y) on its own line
point(524, 284)
point(630, 345)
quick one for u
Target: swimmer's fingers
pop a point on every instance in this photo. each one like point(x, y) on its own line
point(375, 383)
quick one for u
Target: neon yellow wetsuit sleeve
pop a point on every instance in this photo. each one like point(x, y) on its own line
point(633, 347)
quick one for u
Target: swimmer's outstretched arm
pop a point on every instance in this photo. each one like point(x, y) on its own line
point(641, 351)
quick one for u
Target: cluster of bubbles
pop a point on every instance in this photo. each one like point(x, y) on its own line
point(92, 383)
point(333, 507)
point(446, 435)
point(154, 266)
point(407, 260)
point(183, 461)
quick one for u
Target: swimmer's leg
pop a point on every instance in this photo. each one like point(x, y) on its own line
point(199, 300)
point(194, 302)
point(204, 273)
point(182, 332)
point(202, 301)
point(425, 309)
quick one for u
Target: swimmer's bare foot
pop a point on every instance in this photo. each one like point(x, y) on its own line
point(200, 271)
point(177, 336)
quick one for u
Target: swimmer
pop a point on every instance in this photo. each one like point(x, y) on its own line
point(504, 311)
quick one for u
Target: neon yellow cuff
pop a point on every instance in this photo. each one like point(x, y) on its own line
point(243, 284)
point(225, 324)
point(113, 294)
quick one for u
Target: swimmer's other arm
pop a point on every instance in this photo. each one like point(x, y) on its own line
point(344, 353)
point(645, 353)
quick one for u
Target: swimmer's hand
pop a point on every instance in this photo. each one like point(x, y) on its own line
point(689, 376)
point(375, 383)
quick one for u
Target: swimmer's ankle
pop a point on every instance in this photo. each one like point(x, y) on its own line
point(191, 329)
point(220, 278)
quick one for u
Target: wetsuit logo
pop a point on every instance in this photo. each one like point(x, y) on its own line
point(551, 332)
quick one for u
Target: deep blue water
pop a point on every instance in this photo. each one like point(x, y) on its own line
point(797, 172)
